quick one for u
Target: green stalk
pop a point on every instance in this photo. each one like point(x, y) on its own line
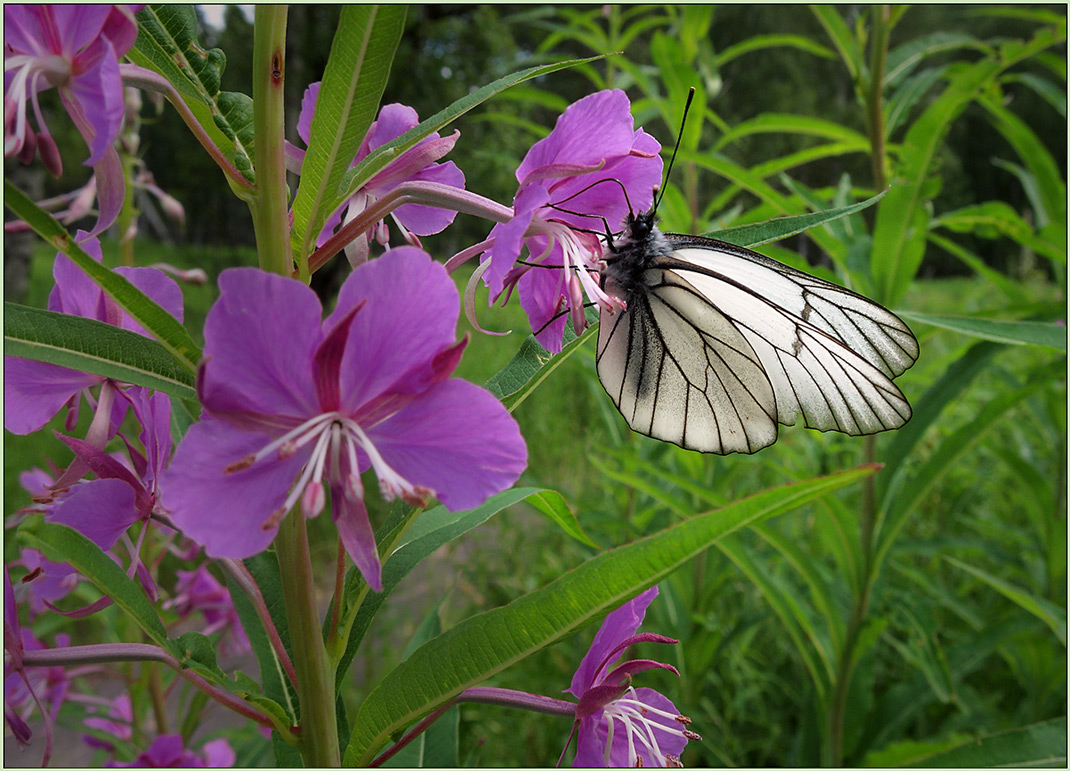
point(315, 675)
point(874, 104)
point(268, 206)
point(315, 681)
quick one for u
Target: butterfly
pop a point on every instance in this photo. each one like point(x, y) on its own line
point(718, 345)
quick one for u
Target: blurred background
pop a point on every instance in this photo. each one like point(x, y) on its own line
point(818, 639)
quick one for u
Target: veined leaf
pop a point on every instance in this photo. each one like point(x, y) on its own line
point(489, 642)
point(158, 322)
point(87, 345)
point(60, 543)
point(167, 44)
point(761, 42)
point(532, 364)
point(1040, 745)
point(1014, 332)
point(773, 230)
point(768, 123)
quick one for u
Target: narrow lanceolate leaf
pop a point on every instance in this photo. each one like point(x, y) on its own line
point(87, 345)
point(158, 322)
point(553, 505)
point(489, 642)
point(349, 95)
point(1016, 332)
point(769, 123)
point(60, 543)
point(380, 157)
point(532, 364)
point(1048, 612)
point(434, 528)
point(167, 43)
point(760, 233)
point(1040, 745)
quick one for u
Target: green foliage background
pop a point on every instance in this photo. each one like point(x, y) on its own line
point(872, 628)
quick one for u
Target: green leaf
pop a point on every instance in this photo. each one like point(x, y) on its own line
point(553, 504)
point(836, 28)
point(167, 44)
point(353, 83)
point(1015, 332)
point(992, 219)
point(1036, 158)
point(1051, 93)
point(1013, 289)
point(900, 230)
point(1040, 745)
point(782, 227)
point(431, 530)
point(1048, 612)
point(532, 364)
point(87, 345)
point(768, 123)
point(903, 493)
point(761, 42)
point(60, 543)
point(908, 94)
point(380, 157)
point(158, 322)
point(904, 58)
point(487, 643)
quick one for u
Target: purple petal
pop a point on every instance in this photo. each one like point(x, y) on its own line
point(259, 339)
point(78, 25)
point(509, 236)
point(153, 410)
point(411, 162)
point(159, 287)
point(351, 519)
point(543, 298)
point(34, 391)
point(225, 513)
point(308, 109)
point(111, 189)
point(94, 97)
point(596, 127)
point(218, 754)
point(428, 220)
point(100, 510)
point(75, 292)
point(455, 439)
point(618, 626)
point(410, 316)
point(121, 28)
point(393, 121)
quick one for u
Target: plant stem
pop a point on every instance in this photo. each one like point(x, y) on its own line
point(269, 207)
point(315, 680)
point(881, 15)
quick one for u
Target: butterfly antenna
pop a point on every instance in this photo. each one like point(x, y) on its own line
point(679, 136)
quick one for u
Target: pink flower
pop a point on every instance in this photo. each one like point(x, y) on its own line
point(414, 165)
point(76, 49)
point(293, 403)
point(593, 168)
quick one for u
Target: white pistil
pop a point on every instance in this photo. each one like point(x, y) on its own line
point(333, 458)
point(634, 716)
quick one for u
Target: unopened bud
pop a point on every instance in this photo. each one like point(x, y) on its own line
point(173, 210)
point(49, 152)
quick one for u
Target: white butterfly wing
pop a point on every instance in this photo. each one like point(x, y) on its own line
point(680, 371)
point(719, 344)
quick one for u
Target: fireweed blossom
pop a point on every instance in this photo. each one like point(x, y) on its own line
point(292, 403)
point(169, 751)
point(198, 591)
point(34, 391)
point(76, 49)
point(618, 725)
point(418, 164)
point(569, 181)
